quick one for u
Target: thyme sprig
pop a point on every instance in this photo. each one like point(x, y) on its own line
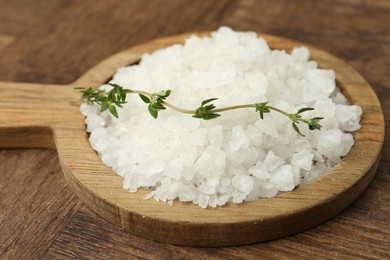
point(116, 97)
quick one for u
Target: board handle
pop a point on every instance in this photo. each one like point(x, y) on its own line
point(30, 113)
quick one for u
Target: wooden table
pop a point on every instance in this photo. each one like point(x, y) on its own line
point(56, 41)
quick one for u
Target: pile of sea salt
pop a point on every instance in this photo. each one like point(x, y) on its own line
point(238, 156)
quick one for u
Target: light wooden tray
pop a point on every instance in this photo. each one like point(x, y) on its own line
point(47, 116)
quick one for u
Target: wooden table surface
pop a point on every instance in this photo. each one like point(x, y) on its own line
point(56, 41)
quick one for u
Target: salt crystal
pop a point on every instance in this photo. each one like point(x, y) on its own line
point(97, 134)
point(296, 175)
point(101, 145)
point(239, 139)
point(349, 117)
point(283, 178)
point(237, 156)
point(120, 129)
point(212, 161)
point(94, 121)
point(334, 143)
point(324, 108)
point(174, 169)
point(87, 109)
point(206, 189)
point(108, 160)
point(271, 161)
point(214, 181)
point(188, 174)
point(254, 193)
point(300, 144)
point(165, 184)
point(174, 187)
point(225, 181)
point(254, 135)
point(259, 171)
point(303, 159)
point(243, 183)
point(267, 126)
point(346, 144)
point(268, 190)
point(215, 135)
point(186, 195)
point(213, 202)
point(340, 99)
point(198, 137)
point(300, 54)
point(238, 196)
point(203, 200)
point(222, 200)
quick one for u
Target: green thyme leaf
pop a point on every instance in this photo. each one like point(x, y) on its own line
point(210, 116)
point(305, 109)
point(162, 93)
point(262, 108)
point(112, 110)
point(102, 99)
point(206, 112)
point(144, 98)
point(204, 102)
point(104, 106)
point(314, 123)
point(114, 85)
point(153, 111)
point(295, 127)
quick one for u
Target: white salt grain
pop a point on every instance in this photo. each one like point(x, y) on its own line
point(283, 178)
point(334, 143)
point(239, 139)
point(273, 161)
point(348, 117)
point(303, 159)
point(198, 137)
point(259, 171)
point(237, 156)
point(243, 183)
point(93, 122)
point(268, 190)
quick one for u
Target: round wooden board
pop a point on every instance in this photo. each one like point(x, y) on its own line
point(34, 115)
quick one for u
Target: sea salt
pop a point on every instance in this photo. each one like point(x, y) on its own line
point(238, 156)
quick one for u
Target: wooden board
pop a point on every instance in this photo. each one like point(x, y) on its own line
point(37, 115)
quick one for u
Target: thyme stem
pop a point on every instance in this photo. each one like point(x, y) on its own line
point(178, 109)
point(279, 111)
point(116, 97)
point(223, 109)
point(150, 95)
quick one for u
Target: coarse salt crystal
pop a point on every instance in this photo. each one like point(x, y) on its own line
point(238, 156)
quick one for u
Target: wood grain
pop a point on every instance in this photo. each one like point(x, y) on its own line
point(5, 40)
point(185, 223)
point(44, 199)
point(356, 31)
